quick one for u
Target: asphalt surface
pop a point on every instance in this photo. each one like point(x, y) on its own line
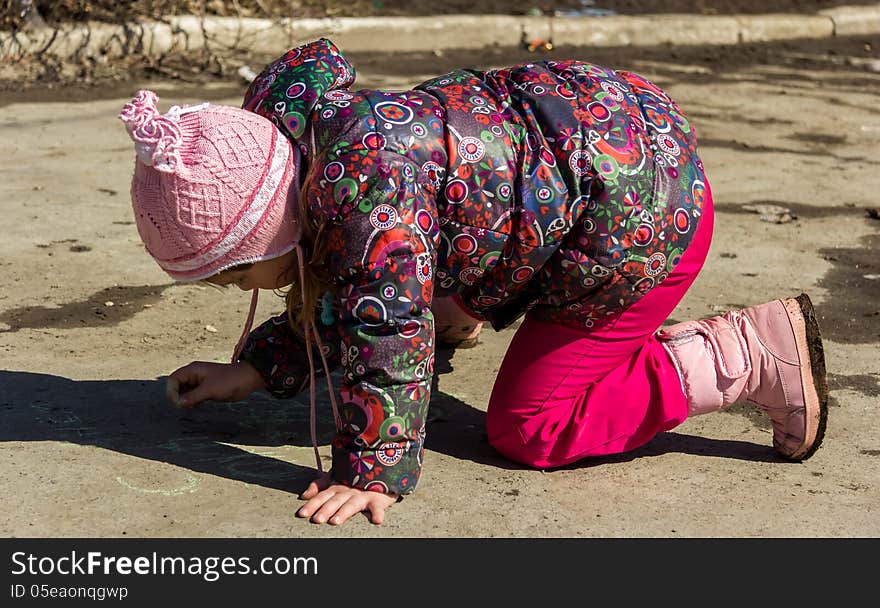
point(89, 447)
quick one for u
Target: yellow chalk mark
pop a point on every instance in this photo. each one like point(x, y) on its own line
point(191, 485)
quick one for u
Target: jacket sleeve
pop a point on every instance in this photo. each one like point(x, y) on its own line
point(382, 250)
point(277, 351)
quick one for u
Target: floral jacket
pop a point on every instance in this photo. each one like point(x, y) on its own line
point(561, 188)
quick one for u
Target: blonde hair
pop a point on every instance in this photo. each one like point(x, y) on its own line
point(302, 300)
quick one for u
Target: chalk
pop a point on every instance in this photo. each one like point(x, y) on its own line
point(191, 485)
point(172, 391)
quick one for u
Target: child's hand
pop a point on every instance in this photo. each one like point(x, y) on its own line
point(334, 503)
point(201, 380)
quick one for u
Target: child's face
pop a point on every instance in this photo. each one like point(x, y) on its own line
point(268, 274)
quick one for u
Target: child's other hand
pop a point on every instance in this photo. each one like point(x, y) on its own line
point(333, 503)
point(202, 380)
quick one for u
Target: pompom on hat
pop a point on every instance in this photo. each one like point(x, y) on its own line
point(211, 186)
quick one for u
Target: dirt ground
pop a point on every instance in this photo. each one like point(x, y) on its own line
point(89, 327)
point(54, 12)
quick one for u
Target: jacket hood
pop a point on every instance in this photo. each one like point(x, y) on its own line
point(287, 90)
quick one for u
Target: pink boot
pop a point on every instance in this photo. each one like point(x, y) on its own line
point(770, 355)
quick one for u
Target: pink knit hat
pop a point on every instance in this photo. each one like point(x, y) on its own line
point(211, 186)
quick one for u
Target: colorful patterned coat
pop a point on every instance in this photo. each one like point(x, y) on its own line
point(557, 187)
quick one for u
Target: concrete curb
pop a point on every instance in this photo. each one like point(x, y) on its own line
point(401, 34)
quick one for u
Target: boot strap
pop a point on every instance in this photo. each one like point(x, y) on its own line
point(726, 343)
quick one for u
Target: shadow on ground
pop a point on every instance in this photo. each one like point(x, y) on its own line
point(92, 312)
point(459, 430)
point(132, 417)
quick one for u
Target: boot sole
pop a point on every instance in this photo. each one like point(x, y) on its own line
point(813, 380)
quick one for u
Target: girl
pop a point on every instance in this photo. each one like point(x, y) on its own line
point(564, 192)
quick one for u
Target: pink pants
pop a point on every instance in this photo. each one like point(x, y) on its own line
point(562, 394)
